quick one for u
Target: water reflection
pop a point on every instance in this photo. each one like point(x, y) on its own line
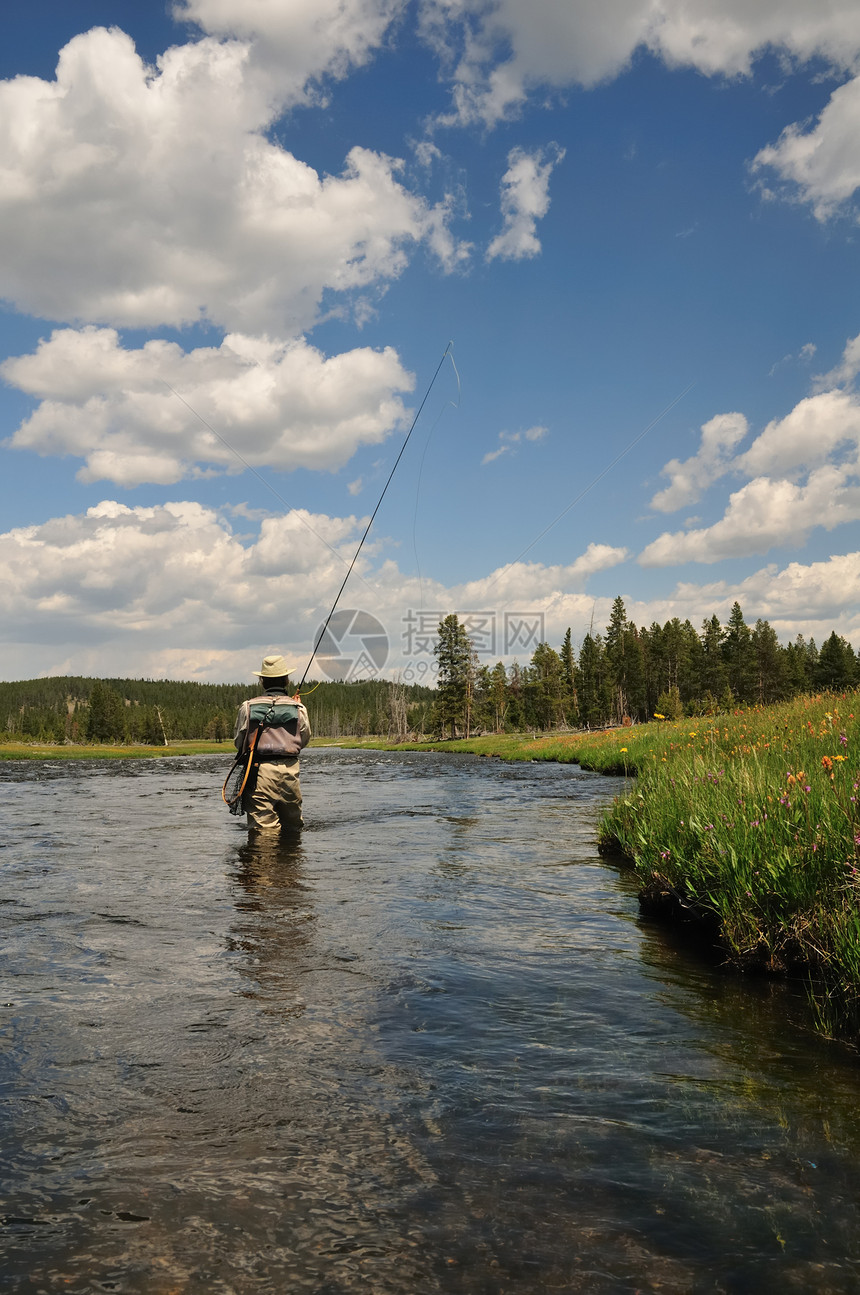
point(275, 927)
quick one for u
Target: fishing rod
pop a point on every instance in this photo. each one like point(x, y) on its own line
point(449, 350)
point(454, 405)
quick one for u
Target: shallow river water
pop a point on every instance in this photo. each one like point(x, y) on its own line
point(430, 1048)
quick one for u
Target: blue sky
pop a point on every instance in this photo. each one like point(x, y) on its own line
point(637, 216)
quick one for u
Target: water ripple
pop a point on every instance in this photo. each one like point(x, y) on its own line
point(429, 1048)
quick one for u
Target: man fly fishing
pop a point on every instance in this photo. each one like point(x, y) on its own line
point(271, 730)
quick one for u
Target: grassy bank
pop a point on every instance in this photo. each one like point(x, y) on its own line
point(593, 751)
point(751, 821)
point(109, 751)
point(608, 752)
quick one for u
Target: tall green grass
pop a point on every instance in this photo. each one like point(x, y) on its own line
point(752, 820)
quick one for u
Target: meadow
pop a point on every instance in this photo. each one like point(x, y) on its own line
point(110, 750)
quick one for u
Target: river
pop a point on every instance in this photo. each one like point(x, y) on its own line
point(432, 1047)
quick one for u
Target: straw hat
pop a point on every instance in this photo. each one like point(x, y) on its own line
point(274, 667)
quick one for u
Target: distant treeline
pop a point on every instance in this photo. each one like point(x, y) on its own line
point(672, 669)
point(632, 673)
point(627, 673)
point(151, 711)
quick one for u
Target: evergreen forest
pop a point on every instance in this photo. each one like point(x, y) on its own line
point(158, 711)
point(625, 675)
point(629, 674)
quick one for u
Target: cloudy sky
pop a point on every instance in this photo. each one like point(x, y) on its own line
point(238, 236)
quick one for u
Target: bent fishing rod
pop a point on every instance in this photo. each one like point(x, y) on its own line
point(448, 351)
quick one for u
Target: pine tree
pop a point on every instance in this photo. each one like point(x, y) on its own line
point(453, 653)
point(651, 642)
point(616, 643)
point(595, 693)
point(770, 663)
point(516, 699)
point(669, 704)
point(497, 696)
point(634, 673)
point(836, 667)
point(677, 643)
point(798, 677)
point(106, 722)
point(714, 676)
point(473, 672)
point(569, 681)
point(739, 656)
point(548, 683)
point(690, 666)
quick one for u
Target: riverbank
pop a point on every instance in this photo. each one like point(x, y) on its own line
point(592, 750)
point(108, 751)
point(615, 751)
point(749, 824)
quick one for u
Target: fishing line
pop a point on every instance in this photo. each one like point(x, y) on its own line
point(375, 511)
point(592, 484)
point(289, 507)
point(421, 473)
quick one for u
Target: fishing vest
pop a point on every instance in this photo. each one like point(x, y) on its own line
point(277, 719)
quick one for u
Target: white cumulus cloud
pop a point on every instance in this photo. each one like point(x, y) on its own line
point(687, 480)
point(298, 40)
point(764, 514)
point(531, 583)
point(281, 404)
point(808, 599)
point(809, 435)
point(804, 471)
point(500, 51)
point(525, 199)
point(847, 369)
point(141, 196)
point(171, 590)
point(175, 571)
point(820, 165)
